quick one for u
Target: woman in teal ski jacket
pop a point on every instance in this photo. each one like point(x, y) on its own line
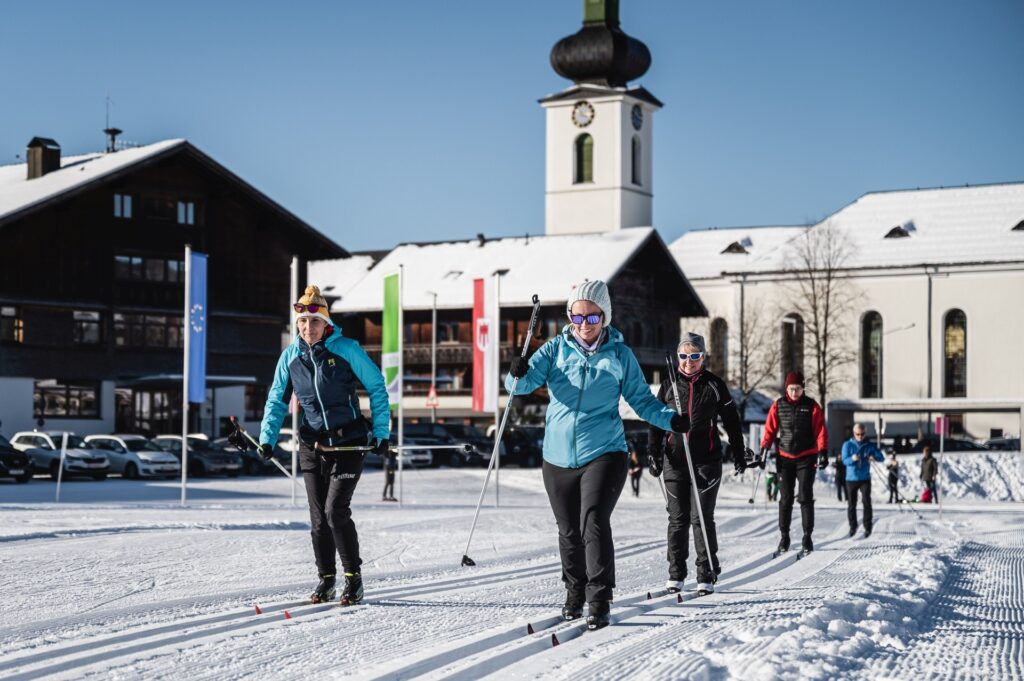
point(587, 368)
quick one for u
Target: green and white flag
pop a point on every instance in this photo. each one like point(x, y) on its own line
point(391, 339)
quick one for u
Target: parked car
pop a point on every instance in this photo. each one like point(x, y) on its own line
point(14, 463)
point(134, 456)
point(43, 449)
point(951, 444)
point(444, 434)
point(411, 458)
point(252, 462)
point(523, 446)
point(1004, 444)
point(202, 458)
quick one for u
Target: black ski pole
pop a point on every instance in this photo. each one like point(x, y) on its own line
point(240, 429)
point(753, 491)
point(466, 560)
point(671, 364)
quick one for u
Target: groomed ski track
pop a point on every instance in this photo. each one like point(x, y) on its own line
point(938, 594)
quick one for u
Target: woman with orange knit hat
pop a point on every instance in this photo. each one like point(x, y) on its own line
point(323, 369)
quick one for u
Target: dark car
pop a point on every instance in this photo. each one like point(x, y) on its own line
point(202, 458)
point(481, 445)
point(252, 462)
point(439, 434)
point(14, 463)
point(951, 444)
point(523, 446)
point(1004, 444)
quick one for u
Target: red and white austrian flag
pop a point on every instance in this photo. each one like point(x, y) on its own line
point(485, 345)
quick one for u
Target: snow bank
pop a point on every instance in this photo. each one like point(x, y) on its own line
point(994, 476)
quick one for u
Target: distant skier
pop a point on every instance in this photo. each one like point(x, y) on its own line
point(929, 471)
point(771, 477)
point(798, 423)
point(705, 398)
point(324, 369)
point(636, 469)
point(857, 455)
point(390, 464)
point(586, 368)
point(893, 467)
point(840, 477)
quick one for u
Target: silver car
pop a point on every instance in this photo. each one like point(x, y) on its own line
point(43, 449)
point(133, 456)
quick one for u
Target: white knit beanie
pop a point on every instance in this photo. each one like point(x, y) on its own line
point(595, 291)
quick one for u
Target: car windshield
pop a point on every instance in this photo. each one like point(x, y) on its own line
point(141, 446)
point(199, 443)
point(73, 441)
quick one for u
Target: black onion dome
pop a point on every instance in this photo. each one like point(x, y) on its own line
point(601, 53)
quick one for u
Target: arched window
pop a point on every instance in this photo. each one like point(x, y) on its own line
point(583, 167)
point(718, 355)
point(792, 345)
point(871, 355)
point(637, 177)
point(954, 354)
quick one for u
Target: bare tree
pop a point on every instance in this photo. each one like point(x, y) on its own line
point(758, 357)
point(825, 299)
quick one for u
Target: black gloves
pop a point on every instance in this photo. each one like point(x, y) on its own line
point(739, 461)
point(758, 459)
point(380, 448)
point(519, 367)
point(238, 440)
point(655, 460)
point(266, 451)
point(822, 460)
point(680, 423)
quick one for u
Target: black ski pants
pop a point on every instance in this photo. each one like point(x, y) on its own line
point(683, 515)
point(389, 484)
point(329, 488)
point(582, 500)
point(894, 487)
point(634, 481)
point(852, 488)
point(791, 471)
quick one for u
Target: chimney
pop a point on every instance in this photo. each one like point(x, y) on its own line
point(112, 133)
point(43, 157)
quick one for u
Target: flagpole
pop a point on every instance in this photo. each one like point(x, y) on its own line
point(295, 412)
point(401, 386)
point(187, 330)
point(497, 391)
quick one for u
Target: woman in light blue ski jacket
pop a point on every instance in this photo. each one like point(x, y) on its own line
point(587, 368)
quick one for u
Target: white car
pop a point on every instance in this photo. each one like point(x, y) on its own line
point(43, 449)
point(134, 456)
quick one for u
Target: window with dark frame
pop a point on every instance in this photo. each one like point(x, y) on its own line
point(123, 206)
point(792, 345)
point(954, 354)
point(147, 331)
point(718, 358)
point(66, 399)
point(88, 328)
point(255, 400)
point(12, 327)
point(141, 268)
point(186, 212)
point(871, 355)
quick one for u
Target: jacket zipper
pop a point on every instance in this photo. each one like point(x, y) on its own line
point(576, 414)
point(316, 388)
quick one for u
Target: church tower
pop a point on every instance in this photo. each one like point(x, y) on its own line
point(599, 130)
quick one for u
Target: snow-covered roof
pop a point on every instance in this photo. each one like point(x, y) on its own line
point(544, 265)
point(706, 253)
point(946, 226)
point(337, 277)
point(18, 193)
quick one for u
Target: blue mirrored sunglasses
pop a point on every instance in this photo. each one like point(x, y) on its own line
point(692, 356)
point(592, 319)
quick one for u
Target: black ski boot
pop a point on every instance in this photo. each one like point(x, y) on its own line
point(573, 608)
point(705, 581)
point(806, 546)
point(353, 591)
point(783, 545)
point(598, 618)
point(324, 591)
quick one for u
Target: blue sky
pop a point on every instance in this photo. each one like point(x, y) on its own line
point(380, 122)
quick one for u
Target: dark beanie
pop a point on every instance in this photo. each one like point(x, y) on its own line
point(794, 378)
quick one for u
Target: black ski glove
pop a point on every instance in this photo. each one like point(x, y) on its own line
point(380, 448)
point(266, 451)
point(739, 461)
point(238, 440)
point(680, 423)
point(655, 461)
point(756, 460)
point(519, 367)
point(822, 460)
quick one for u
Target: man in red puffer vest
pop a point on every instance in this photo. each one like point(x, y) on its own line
point(797, 423)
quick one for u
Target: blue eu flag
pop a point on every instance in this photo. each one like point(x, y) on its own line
point(197, 323)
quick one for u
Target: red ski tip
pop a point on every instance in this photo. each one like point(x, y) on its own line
point(287, 616)
point(679, 598)
point(648, 595)
point(258, 611)
point(529, 628)
point(554, 640)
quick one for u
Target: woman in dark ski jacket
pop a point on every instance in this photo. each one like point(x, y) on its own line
point(323, 369)
point(587, 368)
point(704, 398)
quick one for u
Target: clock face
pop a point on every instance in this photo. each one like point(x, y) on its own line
point(582, 114)
point(638, 116)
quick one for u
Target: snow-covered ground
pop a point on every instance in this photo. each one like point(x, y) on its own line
point(119, 582)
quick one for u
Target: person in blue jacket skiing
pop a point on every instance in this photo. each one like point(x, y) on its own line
point(323, 369)
point(586, 368)
point(857, 455)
